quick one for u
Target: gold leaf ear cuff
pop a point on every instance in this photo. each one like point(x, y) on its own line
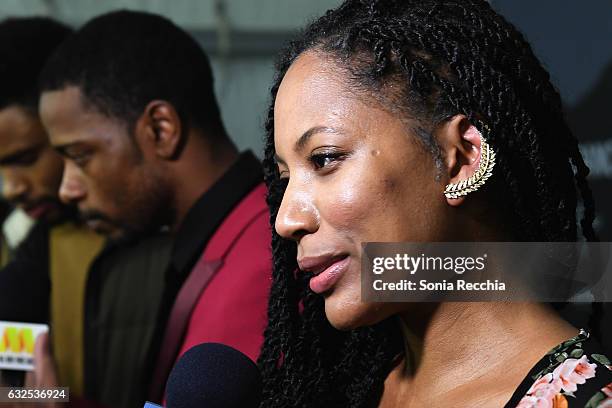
point(477, 180)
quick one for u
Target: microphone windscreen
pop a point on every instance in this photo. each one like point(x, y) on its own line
point(213, 375)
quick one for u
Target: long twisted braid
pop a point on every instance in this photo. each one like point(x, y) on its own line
point(442, 58)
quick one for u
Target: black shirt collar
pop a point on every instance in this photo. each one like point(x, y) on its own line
point(210, 210)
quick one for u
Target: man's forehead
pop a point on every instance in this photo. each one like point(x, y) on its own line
point(69, 120)
point(73, 122)
point(16, 116)
point(19, 130)
point(61, 105)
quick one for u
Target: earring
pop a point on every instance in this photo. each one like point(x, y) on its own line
point(477, 180)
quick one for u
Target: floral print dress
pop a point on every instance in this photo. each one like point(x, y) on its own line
point(574, 374)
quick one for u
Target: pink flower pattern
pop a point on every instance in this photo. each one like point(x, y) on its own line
point(573, 372)
point(564, 380)
point(607, 403)
point(563, 371)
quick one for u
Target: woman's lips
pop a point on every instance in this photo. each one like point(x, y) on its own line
point(326, 279)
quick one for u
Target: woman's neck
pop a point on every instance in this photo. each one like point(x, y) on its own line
point(473, 348)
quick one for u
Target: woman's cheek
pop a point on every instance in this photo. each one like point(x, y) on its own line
point(348, 203)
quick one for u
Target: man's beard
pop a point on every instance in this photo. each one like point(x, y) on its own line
point(148, 213)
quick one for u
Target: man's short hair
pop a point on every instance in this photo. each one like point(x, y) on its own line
point(123, 60)
point(25, 46)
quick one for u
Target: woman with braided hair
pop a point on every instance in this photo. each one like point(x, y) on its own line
point(417, 121)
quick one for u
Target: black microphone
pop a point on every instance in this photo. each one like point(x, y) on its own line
point(213, 375)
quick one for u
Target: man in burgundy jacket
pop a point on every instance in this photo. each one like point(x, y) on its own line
point(128, 101)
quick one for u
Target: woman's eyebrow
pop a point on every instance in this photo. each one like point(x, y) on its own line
point(301, 142)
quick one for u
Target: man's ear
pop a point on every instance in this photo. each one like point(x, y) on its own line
point(159, 130)
point(460, 143)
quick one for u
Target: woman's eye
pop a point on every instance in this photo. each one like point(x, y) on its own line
point(322, 160)
point(283, 174)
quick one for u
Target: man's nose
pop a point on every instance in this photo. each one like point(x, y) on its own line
point(14, 188)
point(71, 189)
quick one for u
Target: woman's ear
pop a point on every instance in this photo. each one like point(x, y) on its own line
point(159, 130)
point(461, 144)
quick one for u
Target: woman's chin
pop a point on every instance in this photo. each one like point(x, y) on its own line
point(349, 314)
